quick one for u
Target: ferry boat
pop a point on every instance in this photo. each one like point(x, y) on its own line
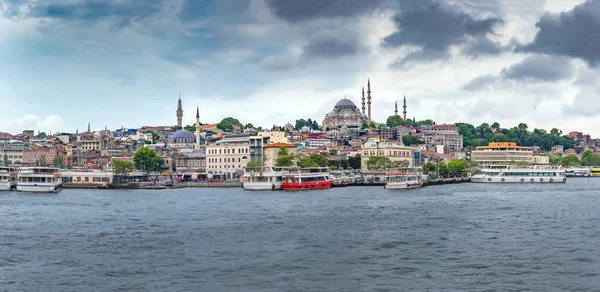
point(263, 179)
point(397, 179)
point(39, 180)
point(8, 179)
point(578, 171)
point(306, 179)
point(521, 174)
point(595, 171)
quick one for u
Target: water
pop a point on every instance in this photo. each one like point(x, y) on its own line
point(464, 237)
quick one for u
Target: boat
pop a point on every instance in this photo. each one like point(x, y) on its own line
point(8, 179)
point(578, 171)
point(39, 180)
point(595, 171)
point(521, 174)
point(306, 179)
point(398, 179)
point(262, 179)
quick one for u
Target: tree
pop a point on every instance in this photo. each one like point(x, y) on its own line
point(378, 163)
point(307, 162)
point(443, 169)
point(176, 128)
point(41, 161)
point(249, 126)
point(428, 168)
point(364, 126)
point(228, 123)
point(394, 121)
point(146, 160)
point(455, 167)
point(590, 158)
point(121, 169)
point(300, 123)
point(522, 163)
point(58, 161)
point(571, 160)
point(251, 165)
point(284, 158)
point(411, 140)
point(319, 160)
point(190, 128)
point(5, 160)
point(333, 152)
point(354, 161)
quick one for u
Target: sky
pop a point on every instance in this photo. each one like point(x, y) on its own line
point(114, 63)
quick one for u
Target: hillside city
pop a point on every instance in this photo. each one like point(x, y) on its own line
point(346, 139)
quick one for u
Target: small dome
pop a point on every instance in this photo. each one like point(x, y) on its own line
point(183, 134)
point(305, 129)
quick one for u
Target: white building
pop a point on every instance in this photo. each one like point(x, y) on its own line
point(446, 135)
point(540, 159)
point(396, 152)
point(501, 153)
point(314, 143)
point(228, 157)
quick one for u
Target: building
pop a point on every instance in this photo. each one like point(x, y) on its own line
point(183, 139)
point(541, 159)
point(345, 113)
point(446, 135)
point(190, 161)
point(226, 158)
point(396, 152)
point(558, 149)
point(90, 143)
point(314, 143)
point(270, 153)
point(501, 153)
point(275, 136)
point(256, 148)
point(14, 152)
point(30, 157)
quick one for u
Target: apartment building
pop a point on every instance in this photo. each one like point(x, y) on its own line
point(396, 152)
point(226, 158)
point(446, 135)
point(501, 153)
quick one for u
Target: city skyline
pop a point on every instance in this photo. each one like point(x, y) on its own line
point(114, 63)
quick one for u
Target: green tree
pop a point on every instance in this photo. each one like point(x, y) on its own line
point(300, 123)
point(190, 128)
point(41, 161)
point(176, 128)
point(284, 158)
point(429, 167)
point(5, 160)
point(251, 165)
point(378, 163)
point(455, 167)
point(333, 152)
point(121, 169)
point(394, 121)
point(411, 140)
point(590, 158)
point(522, 163)
point(571, 160)
point(58, 161)
point(355, 161)
point(424, 122)
point(364, 126)
point(319, 160)
point(228, 123)
point(146, 160)
point(443, 169)
point(307, 162)
point(249, 126)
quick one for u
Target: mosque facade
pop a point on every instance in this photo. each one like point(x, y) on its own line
point(347, 115)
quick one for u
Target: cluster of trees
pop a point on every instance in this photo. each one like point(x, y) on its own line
point(41, 161)
point(411, 140)
point(453, 168)
point(146, 160)
point(58, 161)
point(588, 158)
point(308, 123)
point(484, 133)
point(397, 120)
point(121, 169)
point(285, 159)
point(383, 163)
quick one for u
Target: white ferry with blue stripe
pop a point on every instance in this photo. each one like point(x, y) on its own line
point(521, 174)
point(39, 180)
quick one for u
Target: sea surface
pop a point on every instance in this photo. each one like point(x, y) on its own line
point(462, 237)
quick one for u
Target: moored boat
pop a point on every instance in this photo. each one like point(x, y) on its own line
point(39, 180)
point(262, 179)
point(306, 179)
point(578, 171)
point(521, 174)
point(8, 179)
point(398, 179)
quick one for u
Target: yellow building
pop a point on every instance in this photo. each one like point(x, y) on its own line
point(394, 151)
point(501, 153)
point(275, 137)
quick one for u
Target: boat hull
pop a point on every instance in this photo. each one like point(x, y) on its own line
point(7, 186)
point(39, 188)
point(261, 186)
point(511, 179)
point(293, 186)
point(402, 186)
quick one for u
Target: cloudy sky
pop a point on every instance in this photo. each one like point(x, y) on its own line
point(64, 63)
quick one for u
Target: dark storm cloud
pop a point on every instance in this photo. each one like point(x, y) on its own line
point(296, 11)
point(331, 43)
point(436, 26)
point(541, 68)
point(573, 34)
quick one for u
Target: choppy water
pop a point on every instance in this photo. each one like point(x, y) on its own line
point(466, 237)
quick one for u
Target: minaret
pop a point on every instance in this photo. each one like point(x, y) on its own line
point(197, 127)
point(396, 108)
point(363, 100)
point(89, 127)
point(369, 98)
point(179, 113)
point(404, 106)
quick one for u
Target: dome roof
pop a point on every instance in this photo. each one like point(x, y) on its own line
point(183, 134)
point(305, 129)
point(345, 102)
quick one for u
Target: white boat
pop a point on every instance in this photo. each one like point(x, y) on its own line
point(521, 174)
point(578, 171)
point(8, 179)
point(263, 179)
point(39, 180)
point(399, 179)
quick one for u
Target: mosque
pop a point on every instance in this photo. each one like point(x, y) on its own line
point(183, 138)
point(346, 115)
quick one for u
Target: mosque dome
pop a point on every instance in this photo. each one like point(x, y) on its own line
point(305, 129)
point(183, 136)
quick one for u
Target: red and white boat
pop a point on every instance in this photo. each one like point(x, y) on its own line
point(307, 179)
